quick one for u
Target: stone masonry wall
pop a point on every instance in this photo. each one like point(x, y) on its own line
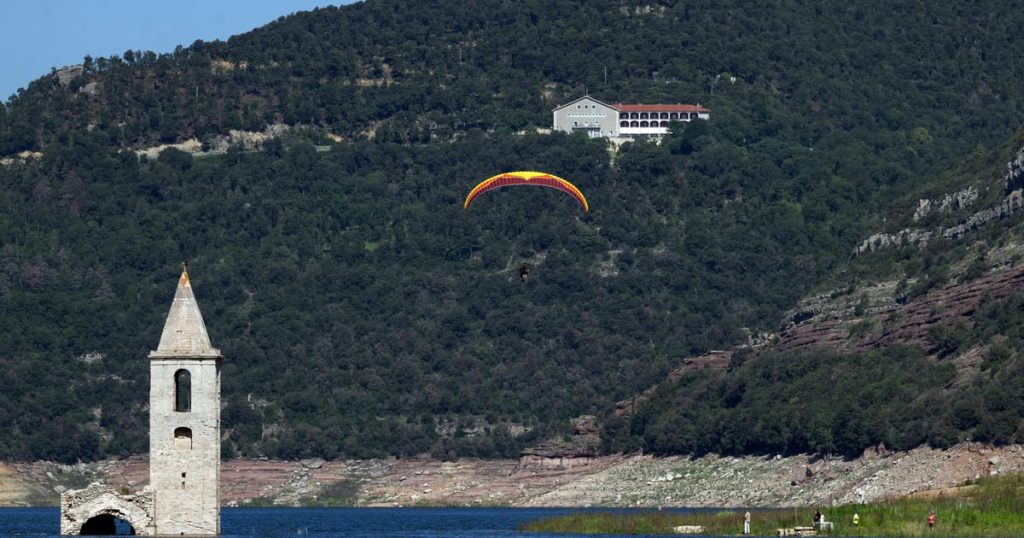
point(79, 506)
point(185, 477)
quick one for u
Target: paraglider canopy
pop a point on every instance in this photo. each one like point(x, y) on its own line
point(540, 179)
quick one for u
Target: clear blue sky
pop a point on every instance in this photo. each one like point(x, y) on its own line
point(36, 35)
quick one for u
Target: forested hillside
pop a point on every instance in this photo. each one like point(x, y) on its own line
point(917, 339)
point(363, 312)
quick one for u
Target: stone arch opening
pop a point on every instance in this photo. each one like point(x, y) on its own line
point(99, 510)
point(108, 524)
point(182, 438)
point(182, 391)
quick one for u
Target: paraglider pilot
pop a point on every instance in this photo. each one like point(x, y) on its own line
point(524, 272)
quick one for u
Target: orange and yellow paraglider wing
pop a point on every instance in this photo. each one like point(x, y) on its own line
point(491, 183)
point(526, 178)
point(558, 183)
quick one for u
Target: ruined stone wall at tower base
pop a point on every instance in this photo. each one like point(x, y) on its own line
point(79, 506)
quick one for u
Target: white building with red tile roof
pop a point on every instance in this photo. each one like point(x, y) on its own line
point(621, 122)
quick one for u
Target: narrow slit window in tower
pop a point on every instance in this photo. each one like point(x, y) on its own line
point(182, 391)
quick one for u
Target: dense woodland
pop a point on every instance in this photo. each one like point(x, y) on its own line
point(363, 312)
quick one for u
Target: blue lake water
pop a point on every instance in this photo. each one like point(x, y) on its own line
point(320, 522)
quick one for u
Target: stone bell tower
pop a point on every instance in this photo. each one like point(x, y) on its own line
point(184, 422)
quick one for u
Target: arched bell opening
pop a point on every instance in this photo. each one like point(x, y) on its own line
point(182, 391)
point(107, 525)
point(182, 439)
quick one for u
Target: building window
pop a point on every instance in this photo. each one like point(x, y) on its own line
point(623, 124)
point(634, 124)
point(643, 115)
point(664, 124)
point(644, 124)
point(182, 391)
point(664, 115)
point(182, 440)
point(674, 116)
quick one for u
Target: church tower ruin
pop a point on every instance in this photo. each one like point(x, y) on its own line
point(183, 495)
point(184, 422)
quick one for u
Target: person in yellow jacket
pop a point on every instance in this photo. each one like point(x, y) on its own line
point(856, 519)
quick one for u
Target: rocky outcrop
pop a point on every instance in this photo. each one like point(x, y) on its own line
point(68, 73)
point(582, 448)
point(846, 303)
point(542, 459)
point(906, 237)
point(20, 158)
point(903, 323)
point(1012, 184)
point(1014, 178)
point(918, 237)
point(1011, 204)
point(191, 145)
point(949, 202)
point(245, 140)
point(90, 88)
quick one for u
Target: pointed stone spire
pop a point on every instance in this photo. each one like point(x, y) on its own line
point(184, 331)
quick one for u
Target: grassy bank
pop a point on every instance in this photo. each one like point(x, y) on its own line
point(991, 507)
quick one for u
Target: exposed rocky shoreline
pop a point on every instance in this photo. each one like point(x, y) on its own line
point(634, 480)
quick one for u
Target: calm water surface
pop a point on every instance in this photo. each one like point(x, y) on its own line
point(345, 522)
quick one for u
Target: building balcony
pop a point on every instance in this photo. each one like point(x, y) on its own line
point(628, 131)
point(663, 116)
